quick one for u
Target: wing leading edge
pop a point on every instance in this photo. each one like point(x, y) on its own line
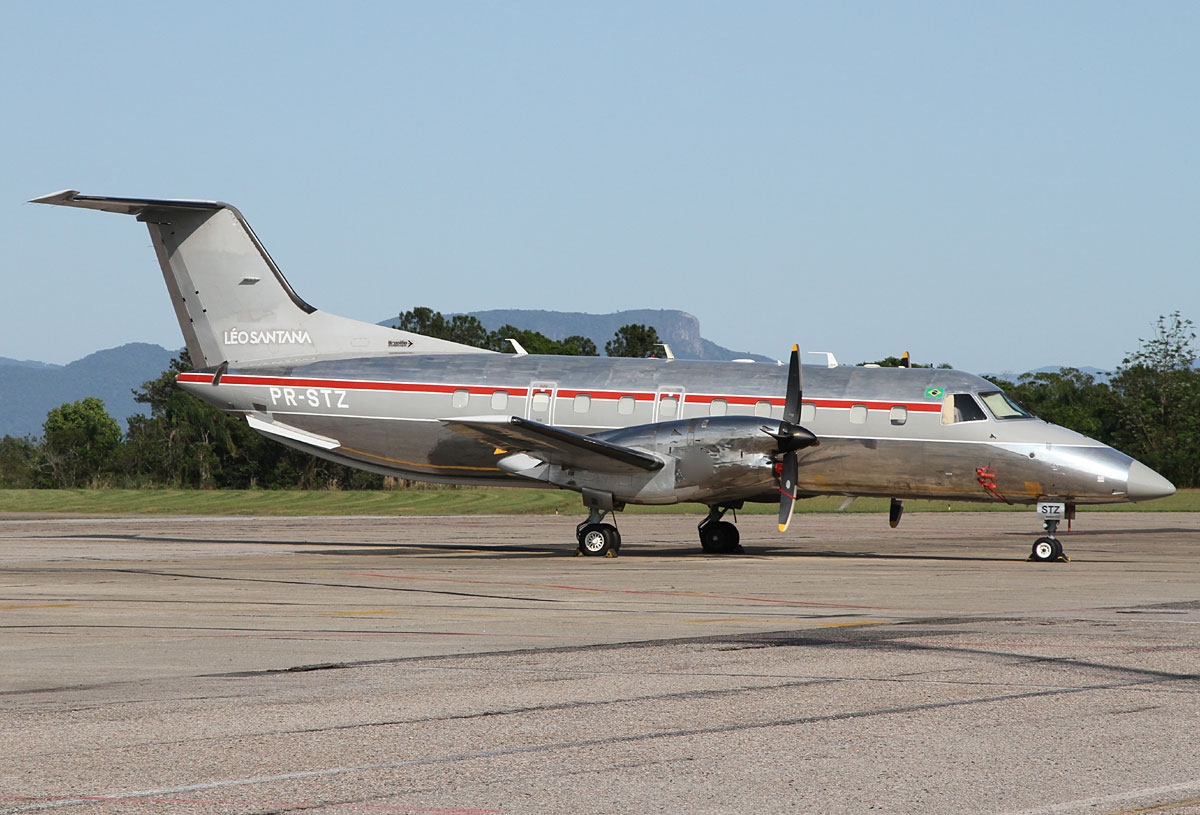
point(555, 446)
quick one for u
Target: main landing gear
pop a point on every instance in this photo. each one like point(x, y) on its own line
point(1049, 548)
point(718, 537)
point(596, 538)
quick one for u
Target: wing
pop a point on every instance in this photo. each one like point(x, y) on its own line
point(512, 434)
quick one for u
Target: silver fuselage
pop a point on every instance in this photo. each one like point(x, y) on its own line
point(882, 431)
point(616, 430)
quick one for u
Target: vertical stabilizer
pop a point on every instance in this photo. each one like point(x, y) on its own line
point(233, 304)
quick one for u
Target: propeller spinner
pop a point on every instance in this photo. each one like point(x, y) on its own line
point(790, 437)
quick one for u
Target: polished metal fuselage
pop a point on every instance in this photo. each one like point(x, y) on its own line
point(882, 431)
point(661, 431)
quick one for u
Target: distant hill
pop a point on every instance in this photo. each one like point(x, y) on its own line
point(5, 362)
point(1099, 375)
point(30, 390)
point(678, 329)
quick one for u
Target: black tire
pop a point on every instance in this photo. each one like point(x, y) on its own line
point(595, 540)
point(614, 537)
point(720, 538)
point(1045, 550)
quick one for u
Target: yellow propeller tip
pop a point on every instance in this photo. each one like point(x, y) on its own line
point(783, 527)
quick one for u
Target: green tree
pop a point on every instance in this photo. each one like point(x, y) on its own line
point(536, 342)
point(578, 346)
point(1068, 397)
point(633, 340)
point(80, 443)
point(1156, 394)
point(460, 328)
point(467, 330)
point(18, 463)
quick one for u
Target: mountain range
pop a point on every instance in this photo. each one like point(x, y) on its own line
point(29, 390)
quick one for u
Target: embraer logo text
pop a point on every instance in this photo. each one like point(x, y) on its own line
point(279, 336)
point(312, 397)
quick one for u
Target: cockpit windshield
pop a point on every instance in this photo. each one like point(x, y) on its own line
point(1003, 407)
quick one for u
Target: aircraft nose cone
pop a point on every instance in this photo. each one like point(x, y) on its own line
point(1145, 484)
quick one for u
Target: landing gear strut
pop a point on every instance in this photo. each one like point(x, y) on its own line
point(1049, 548)
point(718, 537)
point(596, 538)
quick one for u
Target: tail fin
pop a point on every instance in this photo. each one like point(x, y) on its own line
point(232, 302)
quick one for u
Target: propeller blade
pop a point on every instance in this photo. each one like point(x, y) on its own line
point(790, 437)
point(795, 389)
point(787, 490)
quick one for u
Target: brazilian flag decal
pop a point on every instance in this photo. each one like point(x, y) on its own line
point(934, 393)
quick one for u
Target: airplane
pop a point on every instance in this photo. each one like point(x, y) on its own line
point(617, 431)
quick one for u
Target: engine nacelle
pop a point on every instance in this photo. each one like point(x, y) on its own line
point(708, 460)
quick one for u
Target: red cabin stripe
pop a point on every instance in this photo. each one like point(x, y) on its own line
point(195, 377)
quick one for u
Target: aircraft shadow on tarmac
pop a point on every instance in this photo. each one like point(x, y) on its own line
point(645, 550)
point(683, 551)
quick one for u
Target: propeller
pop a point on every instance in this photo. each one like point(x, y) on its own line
point(790, 437)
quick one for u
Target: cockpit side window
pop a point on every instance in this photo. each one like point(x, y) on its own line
point(1002, 407)
point(961, 407)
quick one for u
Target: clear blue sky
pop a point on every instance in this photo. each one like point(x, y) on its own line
point(1000, 186)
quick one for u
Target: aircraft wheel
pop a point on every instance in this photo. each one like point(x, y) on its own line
point(1046, 550)
point(720, 538)
point(599, 539)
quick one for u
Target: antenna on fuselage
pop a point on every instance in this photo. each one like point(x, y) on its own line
point(830, 359)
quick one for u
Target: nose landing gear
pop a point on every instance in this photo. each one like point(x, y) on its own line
point(1048, 548)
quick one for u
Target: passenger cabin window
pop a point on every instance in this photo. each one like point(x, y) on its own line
point(583, 403)
point(1003, 407)
point(858, 414)
point(541, 401)
point(460, 398)
point(499, 400)
point(625, 406)
point(762, 409)
point(808, 411)
point(961, 407)
point(898, 414)
point(718, 407)
point(667, 406)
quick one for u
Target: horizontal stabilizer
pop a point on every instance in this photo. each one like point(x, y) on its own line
point(513, 434)
point(122, 206)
